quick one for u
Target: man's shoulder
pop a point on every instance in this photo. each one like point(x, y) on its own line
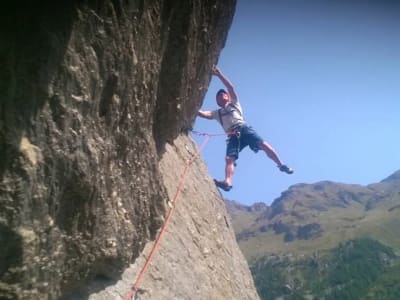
point(235, 103)
point(235, 100)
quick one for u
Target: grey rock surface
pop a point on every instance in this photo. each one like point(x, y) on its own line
point(91, 92)
point(198, 256)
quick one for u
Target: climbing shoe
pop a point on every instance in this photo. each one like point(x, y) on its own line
point(223, 185)
point(286, 169)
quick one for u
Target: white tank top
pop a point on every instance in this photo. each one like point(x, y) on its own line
point(229, 117)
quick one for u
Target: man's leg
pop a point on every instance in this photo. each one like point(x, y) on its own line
point(232, 153)
point(226, 185)
point(271, 153)
point(229, 169)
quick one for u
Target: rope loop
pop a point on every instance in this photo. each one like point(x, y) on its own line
point(208, 134)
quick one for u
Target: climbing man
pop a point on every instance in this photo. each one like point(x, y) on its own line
point(240, 135)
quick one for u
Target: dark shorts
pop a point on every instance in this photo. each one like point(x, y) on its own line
point(246, 136)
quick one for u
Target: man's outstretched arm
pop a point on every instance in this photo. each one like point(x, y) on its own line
point(206, 114)
point(217, 72)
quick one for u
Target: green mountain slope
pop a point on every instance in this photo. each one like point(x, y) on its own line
point(357, 269)
point(324, 241)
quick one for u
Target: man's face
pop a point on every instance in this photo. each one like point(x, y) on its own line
point(223, 99)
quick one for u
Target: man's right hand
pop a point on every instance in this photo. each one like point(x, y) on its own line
point(216, 71)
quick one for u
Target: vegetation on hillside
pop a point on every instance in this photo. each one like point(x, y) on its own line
point(358, 269)
point(324, 241)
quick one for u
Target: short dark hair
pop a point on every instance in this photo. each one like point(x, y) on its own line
point(220, 92)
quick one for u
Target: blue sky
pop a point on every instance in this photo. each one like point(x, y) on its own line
point(319, 81)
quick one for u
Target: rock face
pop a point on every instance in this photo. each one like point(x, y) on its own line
point(198, 257)
point(92, 96)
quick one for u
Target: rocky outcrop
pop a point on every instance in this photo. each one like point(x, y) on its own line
point(198, 257)
point(91, 94)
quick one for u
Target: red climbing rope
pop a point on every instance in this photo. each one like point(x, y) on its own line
point(182, 179)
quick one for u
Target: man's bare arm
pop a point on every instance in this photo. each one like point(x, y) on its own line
point(206, 114)
point(217, 72)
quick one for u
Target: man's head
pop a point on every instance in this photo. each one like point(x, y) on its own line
point(222, 98)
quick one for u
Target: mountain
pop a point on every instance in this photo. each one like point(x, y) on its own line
point(310, 226)
point(96, 101)
point(394, 178)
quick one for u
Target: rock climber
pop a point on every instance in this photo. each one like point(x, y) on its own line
point(240, 135)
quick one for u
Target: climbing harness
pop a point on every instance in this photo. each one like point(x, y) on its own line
point(133, 294)
point(236, 133)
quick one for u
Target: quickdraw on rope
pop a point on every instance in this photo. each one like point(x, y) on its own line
point(135, 290)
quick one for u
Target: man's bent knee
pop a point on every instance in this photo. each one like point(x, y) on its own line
point(230, 159)
point(266, 147)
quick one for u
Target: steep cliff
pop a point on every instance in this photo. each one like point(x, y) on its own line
point(199, 257)
point(91, 95)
